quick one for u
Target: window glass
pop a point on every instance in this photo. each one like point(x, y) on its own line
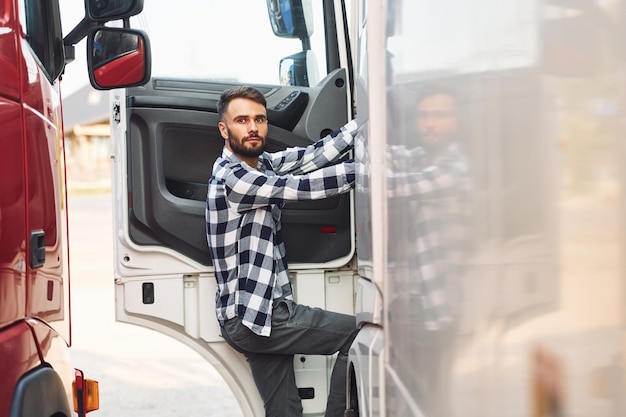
point(222, 40)
point(35, 27)
point(37, 21)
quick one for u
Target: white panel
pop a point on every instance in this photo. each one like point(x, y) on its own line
point(308, 287)
point(168, 299)
point(340, 292)
point(311, 372)
point(209, 327)
point(191, 313)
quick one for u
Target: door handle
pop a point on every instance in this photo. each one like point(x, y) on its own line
point(37, 248)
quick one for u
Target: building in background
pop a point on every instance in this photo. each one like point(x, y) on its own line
point(87, 139)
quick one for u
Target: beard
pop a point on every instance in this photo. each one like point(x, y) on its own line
point(435, 142)
point(238, 145)
point(435, 146)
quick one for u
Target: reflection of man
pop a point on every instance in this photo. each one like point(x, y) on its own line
point(431, 179)
point(442, 207)
point(436, 122)
point(97, 44)
point(428, 183)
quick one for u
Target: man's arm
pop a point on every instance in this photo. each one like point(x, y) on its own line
point(444, 176)
point(297, 161)
point(248, 189)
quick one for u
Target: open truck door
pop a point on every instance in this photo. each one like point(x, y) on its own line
point(165, 140)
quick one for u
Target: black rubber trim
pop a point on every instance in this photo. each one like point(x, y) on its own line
point(38, 393)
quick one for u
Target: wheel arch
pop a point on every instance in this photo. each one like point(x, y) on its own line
point(40, 392)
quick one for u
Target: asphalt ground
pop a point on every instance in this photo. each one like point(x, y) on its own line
point(140, 372)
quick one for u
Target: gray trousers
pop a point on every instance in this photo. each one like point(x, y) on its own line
point(296, 329)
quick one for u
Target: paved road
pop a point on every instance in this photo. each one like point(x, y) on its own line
point(141, 372)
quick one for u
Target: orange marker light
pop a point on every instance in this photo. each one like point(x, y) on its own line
point(86, 394)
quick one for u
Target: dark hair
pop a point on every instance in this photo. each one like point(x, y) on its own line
point(435, 89)
point(249, 93)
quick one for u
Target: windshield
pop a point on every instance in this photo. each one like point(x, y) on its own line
point(221, 40)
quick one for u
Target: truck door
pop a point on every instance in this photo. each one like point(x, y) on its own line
point(165, 140)
point(12, 199)
point(46, 226)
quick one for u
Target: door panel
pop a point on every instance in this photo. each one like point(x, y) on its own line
point(174, 141)
point(164, 148)
point(12, 214)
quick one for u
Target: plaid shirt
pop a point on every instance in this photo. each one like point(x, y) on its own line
point(437, 194)
point(431, 235)
point(243, 221)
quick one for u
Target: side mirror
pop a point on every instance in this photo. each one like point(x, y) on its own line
point(291, 18)
point(299, 69)
point(105, 10)
point(117, 58)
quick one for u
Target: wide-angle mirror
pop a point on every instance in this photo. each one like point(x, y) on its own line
point(291, 18)
point(106, 10)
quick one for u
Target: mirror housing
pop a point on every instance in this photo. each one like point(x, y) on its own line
point(291, 18)
point(106, 10)
point(118, 58)
point(299, 69)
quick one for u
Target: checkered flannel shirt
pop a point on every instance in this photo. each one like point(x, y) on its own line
point(437, 193)
point(243, 221)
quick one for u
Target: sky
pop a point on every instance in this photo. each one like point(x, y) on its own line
point(75, 77)
point(201, 39)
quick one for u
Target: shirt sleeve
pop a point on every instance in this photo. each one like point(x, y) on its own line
point(330, 149)
point(434, 181)
point(248, 189)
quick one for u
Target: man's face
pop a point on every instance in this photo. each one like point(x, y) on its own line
point(244, 127)
point(436, 120)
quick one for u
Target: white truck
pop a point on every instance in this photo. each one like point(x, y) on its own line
point(495, 291)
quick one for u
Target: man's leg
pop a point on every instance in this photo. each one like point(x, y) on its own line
point(275, 379)
point(324, 333)
point(298, 329)
point(336, 404)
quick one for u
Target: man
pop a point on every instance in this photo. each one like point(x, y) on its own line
point(254, 300)
point(437, 122)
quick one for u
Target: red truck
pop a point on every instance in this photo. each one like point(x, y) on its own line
point(36, 375)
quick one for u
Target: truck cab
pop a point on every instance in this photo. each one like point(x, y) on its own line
point(165, 140)
point(38, 378)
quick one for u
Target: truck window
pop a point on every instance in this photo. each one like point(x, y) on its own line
point(41, 24)
point(223, 41)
